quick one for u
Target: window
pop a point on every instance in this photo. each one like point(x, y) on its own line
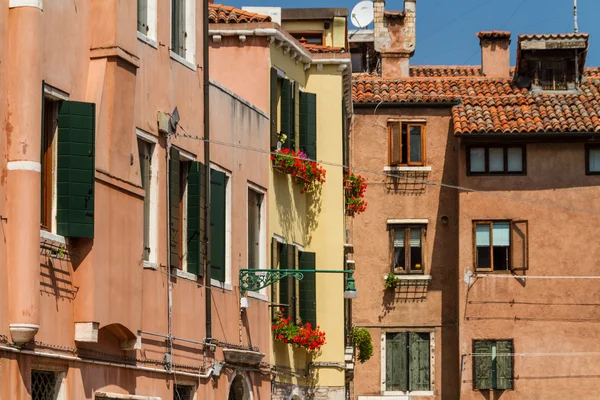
point(308, 124)
point(183, 392)
point(406, 143)
point(255, 228)
point(43, 385)
point(283, 110)
point(145, 153)
point(219, 224)
point(489, 160)
point(49, 126)
point(501, 245)
point(142, 16)
point(407, 361)
point(315, 37)
point(493, 364)
point(407, 249)
point(182, 29)
point(592, 163)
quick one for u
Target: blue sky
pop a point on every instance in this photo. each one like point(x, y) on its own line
point(446, 28)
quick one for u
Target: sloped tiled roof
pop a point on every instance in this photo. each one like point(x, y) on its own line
point(221, 14)
point(488, 105)
point(554, 36)
point(317, 48)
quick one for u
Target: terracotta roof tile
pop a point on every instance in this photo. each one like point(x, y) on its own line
point(220, 14)
point(488, 105)
point(493, 35)
point(553, 36)
point(317, 48)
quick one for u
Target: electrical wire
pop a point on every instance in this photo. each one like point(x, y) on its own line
point(398, 176)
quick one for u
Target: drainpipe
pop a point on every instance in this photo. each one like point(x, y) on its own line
point(170, 283)
point(23, 168)
point(207, 274)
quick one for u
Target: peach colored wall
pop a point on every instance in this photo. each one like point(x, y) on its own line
point(433, 308)
point(4, 124)
point(495, 57)
point(544, 315)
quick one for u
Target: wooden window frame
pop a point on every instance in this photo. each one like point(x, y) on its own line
point(184, 166)
point(505, 148)
point(511, 249)
point(49, 156)
point(401, 125)
point(513, 362)
point(589, 147)
point(407, 228)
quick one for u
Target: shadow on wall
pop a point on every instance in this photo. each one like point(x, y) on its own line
point(312, 215)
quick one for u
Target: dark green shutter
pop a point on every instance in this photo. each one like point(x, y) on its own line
point(174, 201)
point(142, 16)
point(418, 351)
point(274, 101)
point(504, 365)
point(178, 27)
point(285, 284)
point(308, 293)
point(308, 124)
point(76, 169)
point(218, 181)
point(286, 111)
point(274, 265)
point(396, 362)
point(195, 219)
point(482, 365)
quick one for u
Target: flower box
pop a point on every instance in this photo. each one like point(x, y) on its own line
point(303, 336)
point(354, 189)
point(304, 171)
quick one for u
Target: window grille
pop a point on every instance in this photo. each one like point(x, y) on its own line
point(181, 392)
point(43, 384)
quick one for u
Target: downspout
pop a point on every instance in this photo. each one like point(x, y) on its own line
point(170, 283)
point(207, 269)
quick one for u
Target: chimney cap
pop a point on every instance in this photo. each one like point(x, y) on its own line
point(494, 35)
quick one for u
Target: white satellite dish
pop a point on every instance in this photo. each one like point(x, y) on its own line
point(362, 14)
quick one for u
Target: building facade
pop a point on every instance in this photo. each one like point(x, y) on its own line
point(470, 171)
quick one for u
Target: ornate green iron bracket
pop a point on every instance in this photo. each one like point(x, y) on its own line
point(256, 279)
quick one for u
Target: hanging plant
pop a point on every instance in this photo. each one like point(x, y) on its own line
point(355, 187)
point(363, 343)
point(390, 281)
point(305, 336)
point(308, 173)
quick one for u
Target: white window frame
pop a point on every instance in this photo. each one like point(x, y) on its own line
point(154, 188)
point(431, 390)
point(228, 182)
point(150, 37)
point(189, 60)
point(184, 156)
point(262, 293)
point(55, 94)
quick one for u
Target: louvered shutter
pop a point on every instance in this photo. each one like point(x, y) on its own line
point(195, 222)
point(217, 224)
point(418, 361)
point(482, 365)
point(308, 124)
point(274, 265)
point(396, 374)
point(285, 284)
point(286, 111)
point(178, 27)
point(142, 16)
point(308, 293)
point(504, 365)
point(76, 169)
point(174, 201)
point(274, 101)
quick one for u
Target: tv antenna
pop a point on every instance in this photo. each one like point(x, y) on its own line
point(575, 24)
point(362, 14)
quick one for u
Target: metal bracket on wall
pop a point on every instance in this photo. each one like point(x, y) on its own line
point(256, 279)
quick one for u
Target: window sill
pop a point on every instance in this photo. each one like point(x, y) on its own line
point(150, 265)
point(221, 285)
point(185, 275)
point(147, 40)
point(407, 394)
point(183, 61)
point(411, 277)
point(258, 296)
point(389, 168)
point(52, 237)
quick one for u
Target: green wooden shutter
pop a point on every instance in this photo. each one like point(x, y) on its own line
point(218, 180)
point(418, 361)
point(195, 221)
point(145, 155)
point(274, 265)
point(396, 362)
point(504, 365)
point(482, 365)
point(76, 169)
point(285, 296)
point(178, 27)
point(308, 124)
point(174, 201)
point(142, 16)
point(308, 293)
point(286, 111)
point(274, 101)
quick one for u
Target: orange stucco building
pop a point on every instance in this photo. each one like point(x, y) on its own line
point(104, 267)
point(479, 235)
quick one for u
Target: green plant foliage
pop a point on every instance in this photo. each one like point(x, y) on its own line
point(362, 342)
point(390, 280)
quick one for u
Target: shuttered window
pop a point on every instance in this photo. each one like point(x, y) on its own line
point(48, 155)
point(308, 124)
point(406, 143)
point(493, 364)
point(195, 219)
point(500, 245)
point(178, 27)
point(174, 206)
point(287, 112)
point(408, 361)
point(274, 104)
point(255, 200)
point(142, 16)
point(145, 155)
point(76, 169)
point(287, 286)
point(307, 286)
point(218, 185)
point(407, 249)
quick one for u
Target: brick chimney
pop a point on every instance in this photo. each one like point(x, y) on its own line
point(395, 37)
point(495, 53)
